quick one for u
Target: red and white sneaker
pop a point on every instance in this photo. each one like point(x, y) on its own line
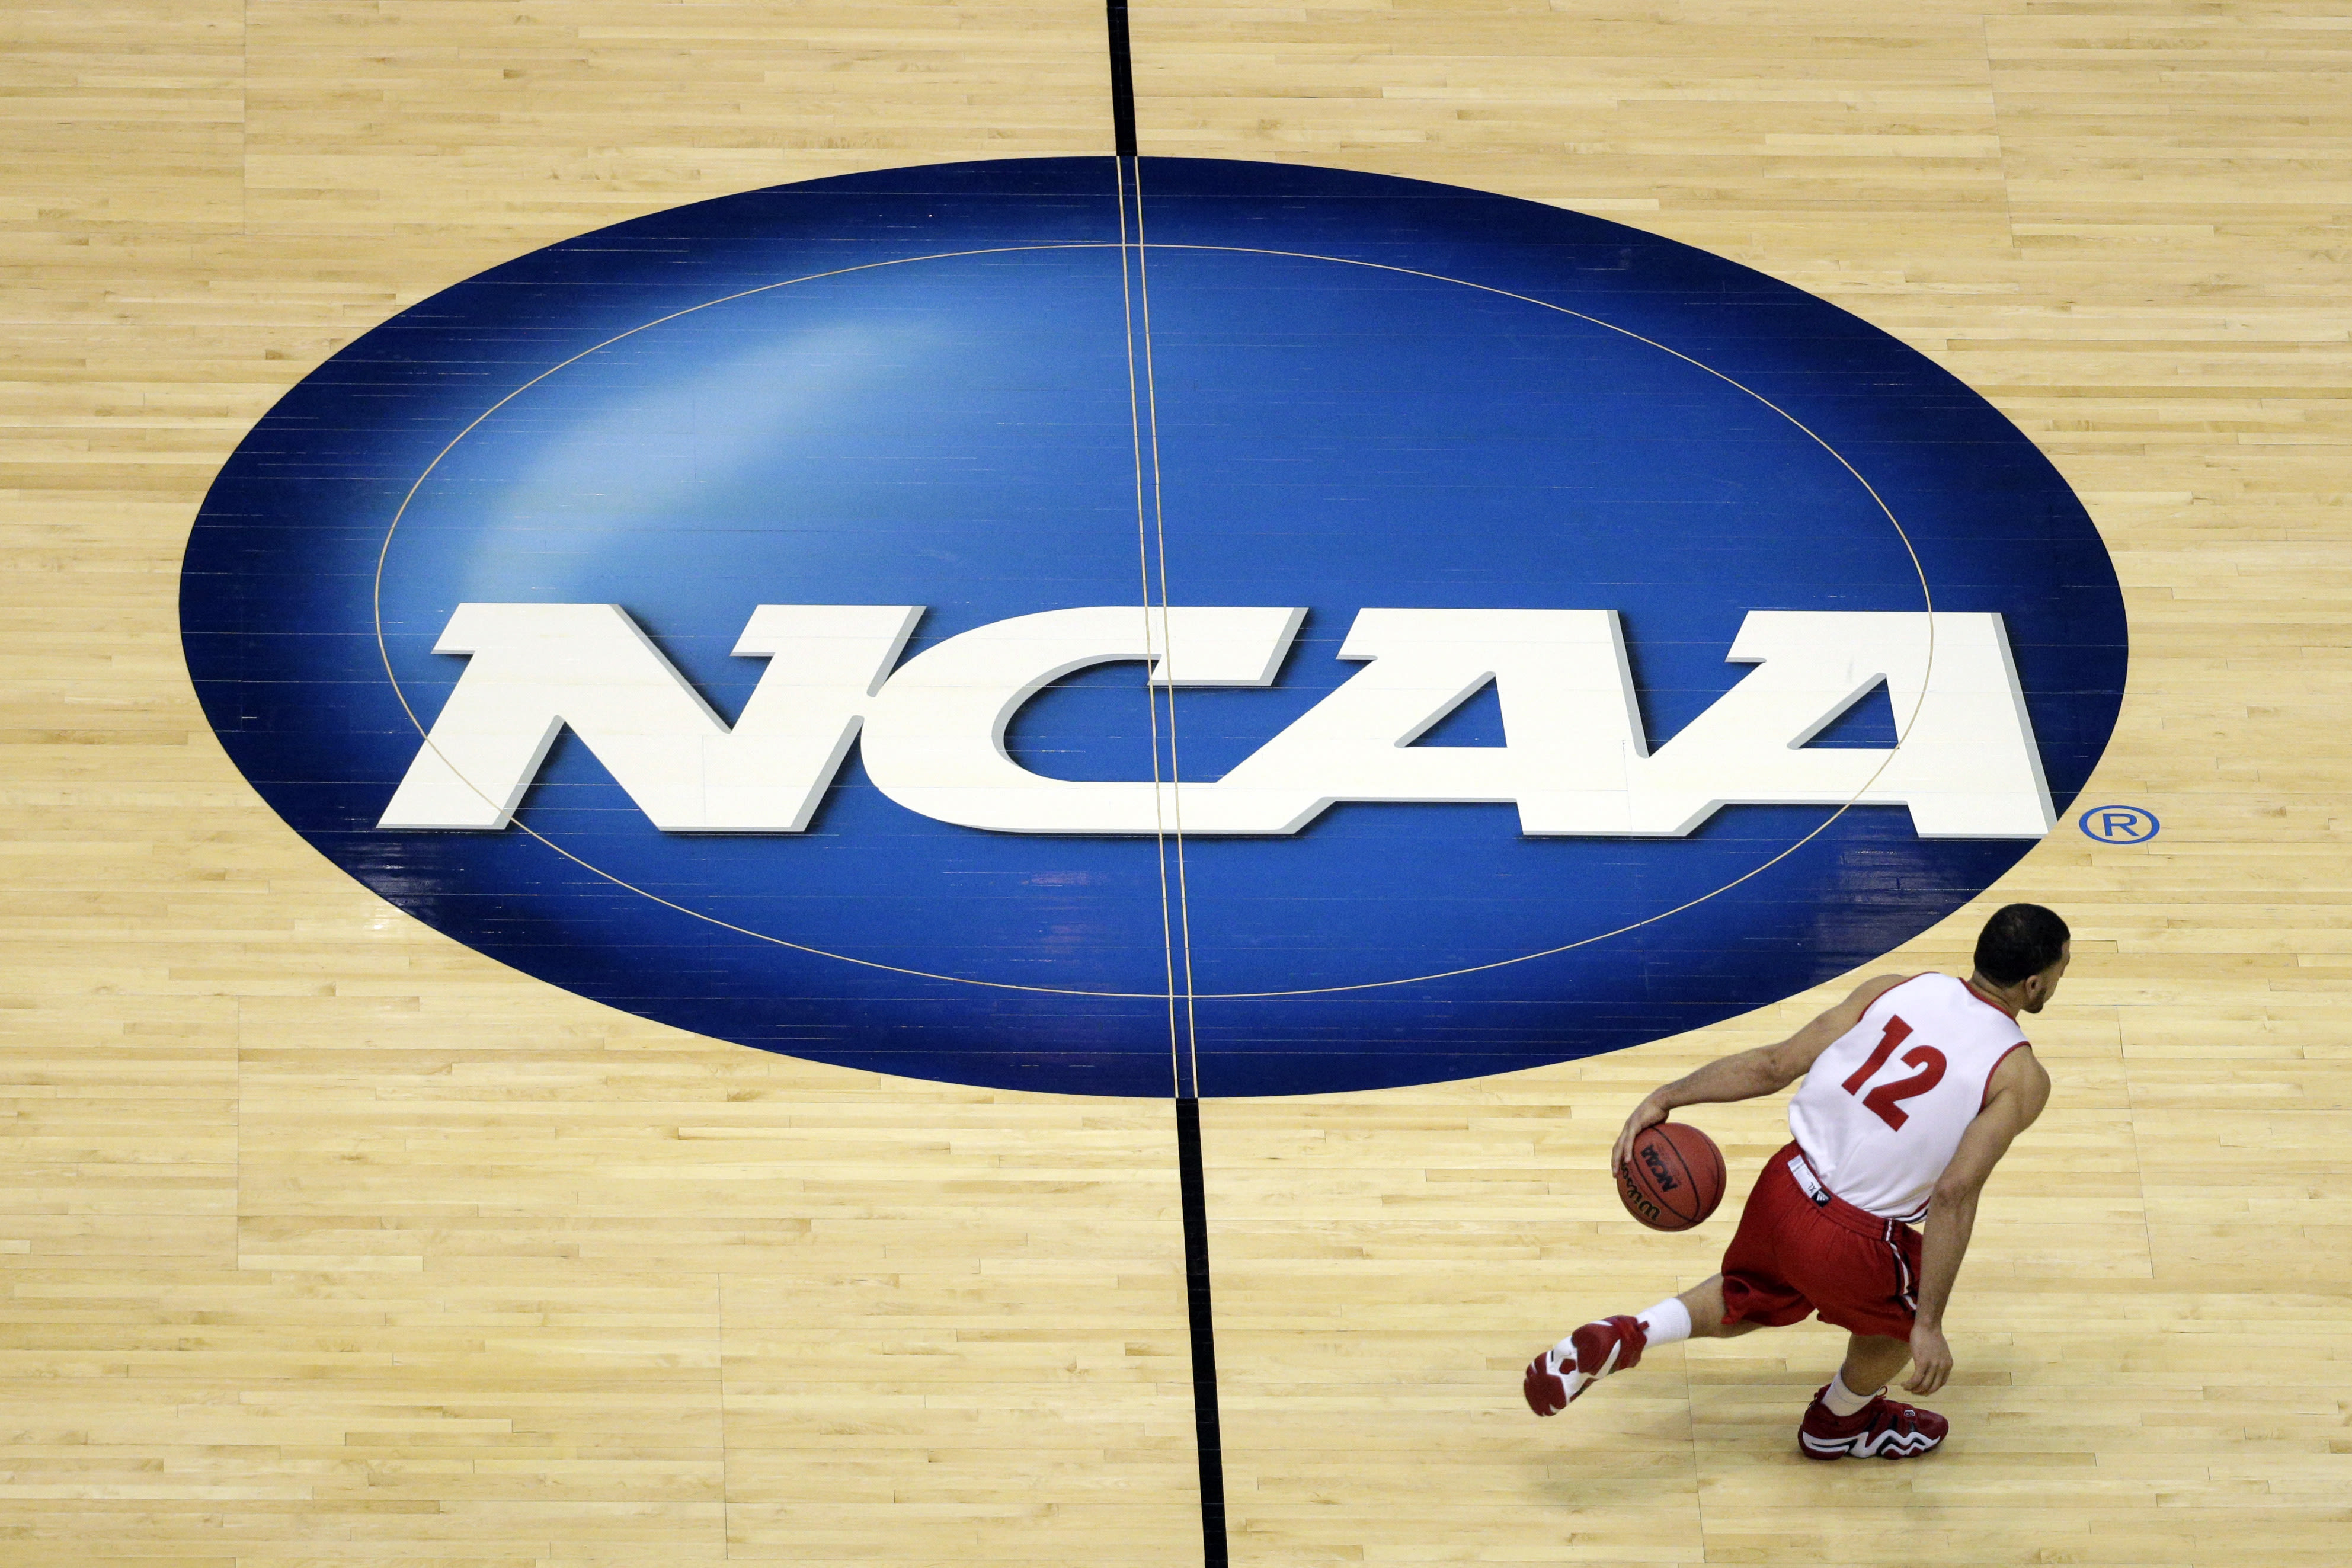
point(1612, 1344)
point(1882, 1430)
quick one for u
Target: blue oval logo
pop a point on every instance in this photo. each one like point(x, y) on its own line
point(1280, 630)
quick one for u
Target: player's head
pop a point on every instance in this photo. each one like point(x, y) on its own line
point(2023, 950)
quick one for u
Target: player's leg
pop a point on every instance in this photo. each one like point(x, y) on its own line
point(1872, 1361)
point(1559, 1374)
point(1705, 1304)
point(1853, 1418)
point(1749, 1294)
point(1555, 1378)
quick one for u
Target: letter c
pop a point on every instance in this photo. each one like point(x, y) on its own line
point(934, 737)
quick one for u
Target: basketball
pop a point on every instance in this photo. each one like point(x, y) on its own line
point(1675, 1179)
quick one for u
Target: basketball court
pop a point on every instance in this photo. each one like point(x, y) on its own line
point(362, 1208)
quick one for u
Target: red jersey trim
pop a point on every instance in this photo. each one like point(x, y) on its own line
point(1989, 1002)
point(1986, 1097)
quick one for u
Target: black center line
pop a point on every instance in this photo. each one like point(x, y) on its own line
point(1122, 80)
point(1190, 1183)
point(1204, 1339)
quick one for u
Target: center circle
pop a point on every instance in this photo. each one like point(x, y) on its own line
point(969, 392)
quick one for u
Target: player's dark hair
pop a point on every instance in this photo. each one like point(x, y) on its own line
point(2019, 941)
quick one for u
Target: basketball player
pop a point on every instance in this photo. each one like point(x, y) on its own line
point(1913, 1091)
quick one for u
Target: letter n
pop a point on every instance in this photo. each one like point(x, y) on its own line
point(537, 668)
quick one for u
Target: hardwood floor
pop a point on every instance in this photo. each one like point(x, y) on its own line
point(330, 1242)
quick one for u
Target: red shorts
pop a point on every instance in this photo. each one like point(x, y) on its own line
point(1793, 1256)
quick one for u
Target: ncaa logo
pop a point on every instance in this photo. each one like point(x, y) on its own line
point(1282, 630)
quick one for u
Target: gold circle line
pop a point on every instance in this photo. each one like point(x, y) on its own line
point(384, 652)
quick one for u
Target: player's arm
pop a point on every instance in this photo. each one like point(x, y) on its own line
point(2018, 1090)
point(1767, 1069)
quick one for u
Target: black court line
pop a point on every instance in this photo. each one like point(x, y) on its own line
point(1204, 1339)
point(1206, 1442)
point(1122, 80)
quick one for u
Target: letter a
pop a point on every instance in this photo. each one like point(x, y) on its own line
point(1964, 761)
point(1569, 727)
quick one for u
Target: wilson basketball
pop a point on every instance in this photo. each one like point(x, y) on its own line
point(1675, 1179)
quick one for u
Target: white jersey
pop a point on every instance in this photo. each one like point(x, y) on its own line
point(1881, 1113)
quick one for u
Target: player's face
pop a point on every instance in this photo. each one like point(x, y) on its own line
point(2040, 988)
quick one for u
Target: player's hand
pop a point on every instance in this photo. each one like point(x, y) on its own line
point(1931, 1360)
point(1647, 1114)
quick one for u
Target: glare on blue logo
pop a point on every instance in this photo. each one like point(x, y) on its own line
point(1373, 633)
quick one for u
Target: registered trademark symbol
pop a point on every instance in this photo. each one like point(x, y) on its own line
point(2120, 823)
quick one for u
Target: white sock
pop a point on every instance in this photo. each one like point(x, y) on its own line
point(1844, 1401)
point(1662, 1325)
point(1667, 1321)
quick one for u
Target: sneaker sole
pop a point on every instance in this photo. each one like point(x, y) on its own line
point(1574, 1382)
point(1542, 1367)
point(1892, 1446)
point(1579, 1380)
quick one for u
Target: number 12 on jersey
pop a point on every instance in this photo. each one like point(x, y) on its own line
point(1884, 1100)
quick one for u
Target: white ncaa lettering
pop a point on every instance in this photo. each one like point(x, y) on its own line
point(1569, 726)
point(539, 667)
point(1966, 766)
point(1573, 760)
point(934, 740)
